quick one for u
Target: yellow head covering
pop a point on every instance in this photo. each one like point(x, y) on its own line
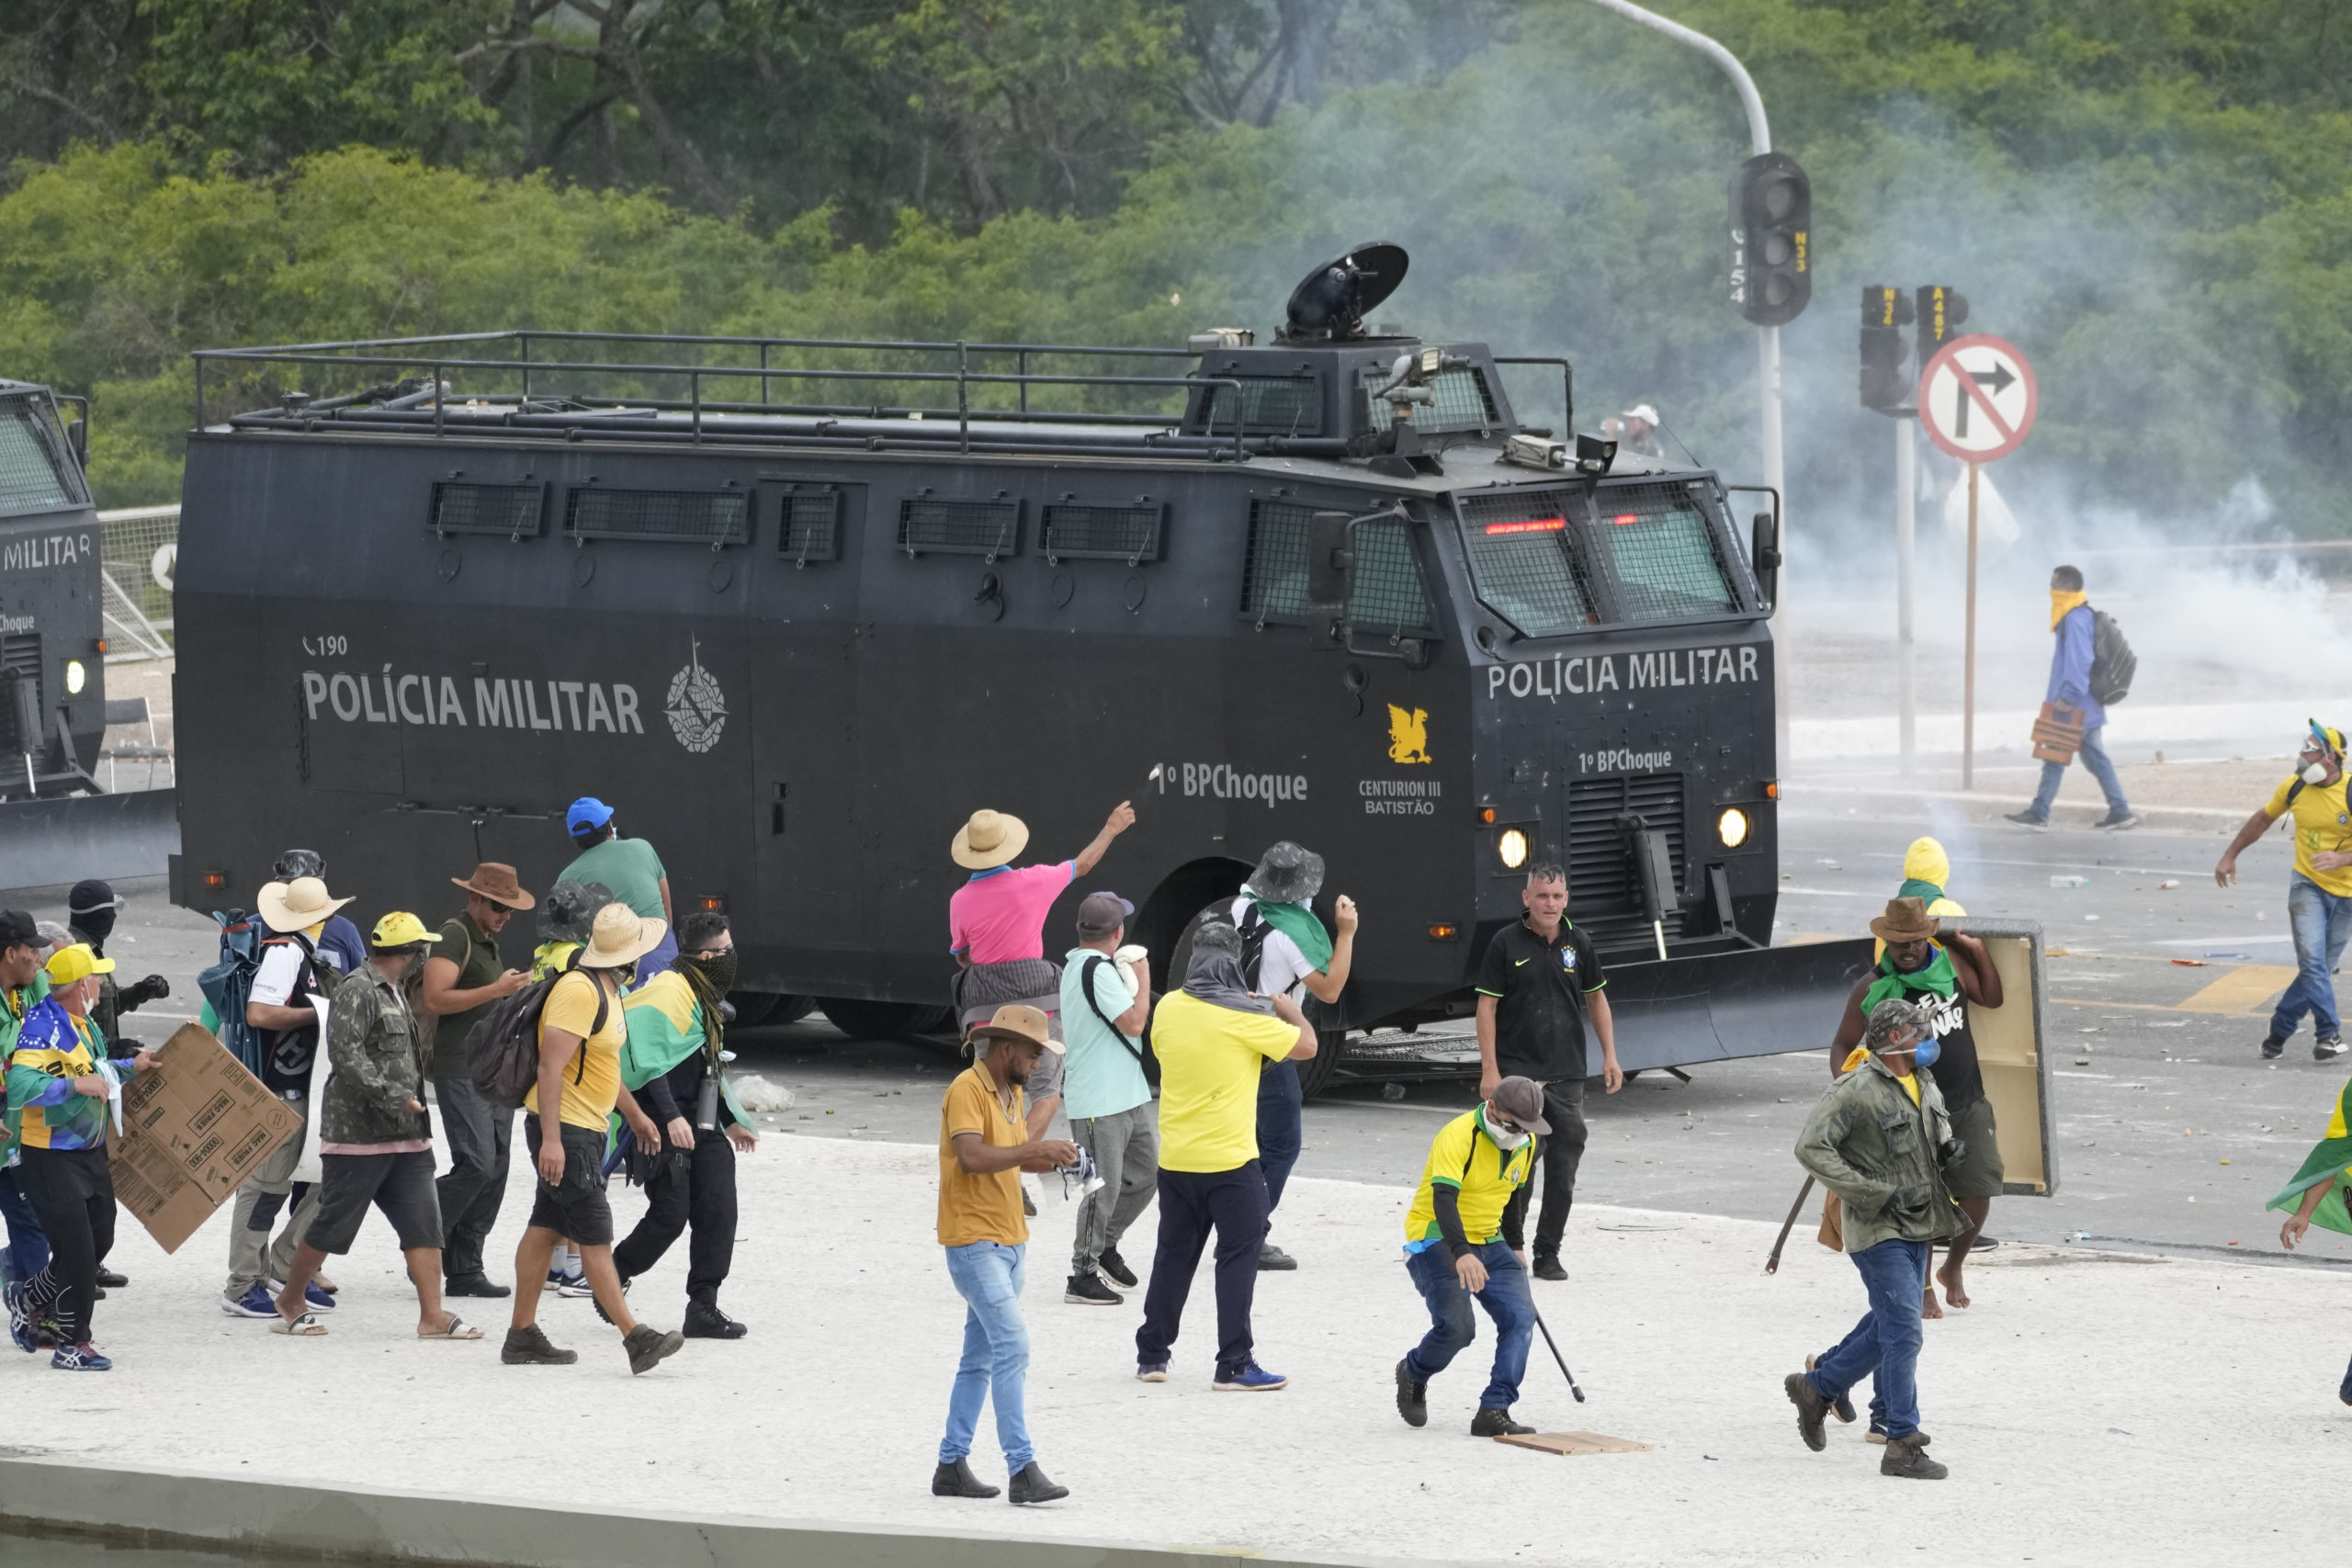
point(2063, 600)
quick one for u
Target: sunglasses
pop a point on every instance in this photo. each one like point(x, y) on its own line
point(1505, 1124)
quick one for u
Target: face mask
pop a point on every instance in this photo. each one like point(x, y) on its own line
point(2316, 773)
point(1503, 1140)
point(1929, 1049)
point(719, 969)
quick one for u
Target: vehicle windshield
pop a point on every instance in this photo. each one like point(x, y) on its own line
point(32, 469)
point(1554, 560)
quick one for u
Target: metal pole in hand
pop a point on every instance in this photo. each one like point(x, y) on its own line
point(1968, 696)
point(1555, 1354)
point(1906, 502)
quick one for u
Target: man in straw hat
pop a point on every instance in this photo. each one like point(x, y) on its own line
point(375, 1136)
point(1944, 979)
point(984, 1144)
point(292, 971)
point(464, 976)
point(996, 928)
point(581, 1033)
point(1880, 1140)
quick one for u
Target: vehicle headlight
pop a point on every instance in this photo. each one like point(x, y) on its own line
point(75, 677)
point(1511, 846)
point(1732, 827)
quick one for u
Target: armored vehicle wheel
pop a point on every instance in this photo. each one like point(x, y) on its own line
point(769, 1009)
point(790, 1009)
point(1322, 1070)
point(862, 1020)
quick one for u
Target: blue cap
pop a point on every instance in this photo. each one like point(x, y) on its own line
point(586, 812)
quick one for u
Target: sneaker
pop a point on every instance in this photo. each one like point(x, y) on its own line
point(649, 1347)
point(2272, 1044)
point(1812, 1405)
point(475, 1285)
point(20, 1322)
point(110, 1281)
point(529, 1348)
point(1156, 1372)
point(2328, 1049)
point(1110, 1263)
point(1547, 1267)
point(1030, 1486)
point(1088, 1290)
point(256, 1302)
point(1843, 1404)
point(1877, 1434)
point(576, 1286)
point(1251, 1379)
point(705, 1321)
point(1413, 1398)
point(315, 1299)
point(2028, 819)
point(1492, 1423)
point(1908, 1457)
point(82, 1358)
point(1272, 1259)
point(958, 1480)
point(2119, 820)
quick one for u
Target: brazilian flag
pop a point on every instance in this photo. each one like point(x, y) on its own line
point(2331, 1157)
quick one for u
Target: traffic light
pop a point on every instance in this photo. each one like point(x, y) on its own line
point(1943, 310)
point(1771, 239)
point(1887, 380)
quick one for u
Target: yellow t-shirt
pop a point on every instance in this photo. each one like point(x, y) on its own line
point(2323, 822)
point(1209, 1061)
point(1910, 1082)
point(1483, 1177)
point(980, 1207)
point(592, 1078)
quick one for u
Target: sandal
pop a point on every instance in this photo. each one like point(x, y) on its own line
point(458, 1329)
point(306, 1327)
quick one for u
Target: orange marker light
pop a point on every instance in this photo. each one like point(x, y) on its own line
point(1444, 932)
point(1626, 519)
point(712, 904)
point(1485, 814)
point(1532, 526)
point(216, 879)
point(1773, 791)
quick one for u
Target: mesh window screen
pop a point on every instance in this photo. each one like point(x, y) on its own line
point(990, 528)
point(808, 526)
point(1459, 400)
point(690, 516)
point(33, 475)
point(1523, 558)
point(1662, 554)
point(20, 692)
point(1273, 581)
point(1385, 593)
point(1103, 533)
point(1269, 405)
point(510, 511)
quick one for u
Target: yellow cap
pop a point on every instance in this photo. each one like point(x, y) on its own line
point(77, 962)
point(399, 929)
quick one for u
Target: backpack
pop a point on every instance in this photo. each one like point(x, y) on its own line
point(1254, 932)
point(502, 1047)
point(228, 985)
point(2112, 661)
point(1145, 1057)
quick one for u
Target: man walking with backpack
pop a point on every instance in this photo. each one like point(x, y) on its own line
point(2319, 889)
point(2075, 687)
point(463, 976)
point(1106, 1094)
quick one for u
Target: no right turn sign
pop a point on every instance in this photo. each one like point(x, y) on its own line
point(1977, 399)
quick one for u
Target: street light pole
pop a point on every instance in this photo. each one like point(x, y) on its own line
point(1768, 348)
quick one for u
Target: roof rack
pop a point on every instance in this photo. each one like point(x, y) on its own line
point(580, 384)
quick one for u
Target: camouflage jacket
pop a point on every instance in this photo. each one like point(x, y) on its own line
point(375, 1058)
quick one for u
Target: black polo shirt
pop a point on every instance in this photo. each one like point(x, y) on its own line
point(1538, 988)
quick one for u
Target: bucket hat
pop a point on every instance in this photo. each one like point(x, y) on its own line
point(619, 936)
point(1906, 919)
point(1286, 873)
point(497, 884)
point(1018, 1024)
point(298, 905)
point(991, 839)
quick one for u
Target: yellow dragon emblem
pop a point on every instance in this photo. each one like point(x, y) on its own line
point(1409, 734)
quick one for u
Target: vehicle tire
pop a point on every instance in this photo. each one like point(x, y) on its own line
point(754, 1009)
point(862, 1020)
point(1322, 1070)
point(791, 1008)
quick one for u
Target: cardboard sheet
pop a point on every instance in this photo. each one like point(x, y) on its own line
point(1573, 1443)
point(196, 1125)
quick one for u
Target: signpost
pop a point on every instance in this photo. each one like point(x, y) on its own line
point(1977, 400)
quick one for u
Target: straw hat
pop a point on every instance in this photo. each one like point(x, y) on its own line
point(1022, 1025)
point(1906, 919)
point(296, 906)
point(989, 839)
point(620, 936)
point(497, 884)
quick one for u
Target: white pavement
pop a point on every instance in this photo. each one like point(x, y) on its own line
point(2094, 1408)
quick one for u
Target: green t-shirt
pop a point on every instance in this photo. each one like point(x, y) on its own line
point(475, 952)
point(628, 866)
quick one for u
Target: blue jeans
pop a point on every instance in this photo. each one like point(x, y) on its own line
point(2094, 757)
point(1452, 1326)
point(1886, 1344)
point(996, 1352)
point(27, 1243)
point(1282, 1128)
point(2321, 922)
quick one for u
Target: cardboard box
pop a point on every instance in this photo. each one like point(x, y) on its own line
point(195, 1126)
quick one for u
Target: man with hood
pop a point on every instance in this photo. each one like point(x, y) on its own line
point(90, 912)
point(1295, 958)
point(2072, 624)
point(2319, 889)
point(1211, 1039)
point(1879, 1139)
point(1943, 979)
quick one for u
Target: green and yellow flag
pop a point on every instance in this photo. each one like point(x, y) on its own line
point(2331, 1157)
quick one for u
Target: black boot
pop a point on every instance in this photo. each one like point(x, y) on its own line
point(1413, 1398)
point(1908, 1457)
point(1030, 1486)
point(1812, 1407)
point(958, 1480)
point(1492, 1423)
point(705, 1321)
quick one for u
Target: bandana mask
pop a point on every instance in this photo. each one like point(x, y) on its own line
point(719, 970)
point(1503, 1140)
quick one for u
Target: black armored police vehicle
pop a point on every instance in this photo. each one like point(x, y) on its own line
point(797, 608)
point(52, 628)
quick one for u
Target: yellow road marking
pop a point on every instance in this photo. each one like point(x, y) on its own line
point(2245, 989)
